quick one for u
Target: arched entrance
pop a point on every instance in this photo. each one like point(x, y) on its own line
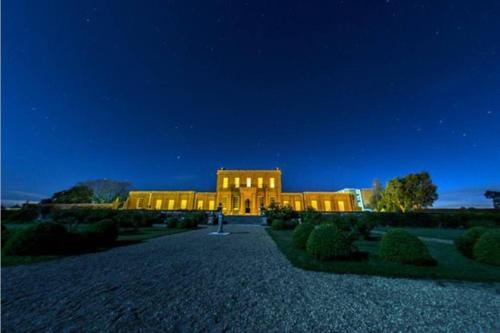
point(247, 206)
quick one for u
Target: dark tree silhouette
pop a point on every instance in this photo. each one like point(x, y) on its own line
point(495, 196)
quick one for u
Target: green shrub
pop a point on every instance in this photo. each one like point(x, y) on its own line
point(487, 248)
point(126, 221)
point(364, 227)
point(465, 243)
point(301, 234)
point(279, 225)
point(327, 241)
point(5, 234)
point(312, 216)
point(291, 224)
point(172, 222)
point(184, 224)
point(481, 223)
point(103, 233)
point(400, 246)
point(26, 214)
point(39, 239)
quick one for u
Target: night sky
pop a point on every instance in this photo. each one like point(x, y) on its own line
point(162, 93)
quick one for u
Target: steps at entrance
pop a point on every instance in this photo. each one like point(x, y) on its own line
point(242, 219)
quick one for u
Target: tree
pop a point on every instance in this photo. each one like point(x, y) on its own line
point(107, 190)
point(377, 192)
point(495, 196)
point(76, 194)
point(414, 191)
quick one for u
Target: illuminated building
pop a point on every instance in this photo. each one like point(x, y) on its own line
point(242, 192)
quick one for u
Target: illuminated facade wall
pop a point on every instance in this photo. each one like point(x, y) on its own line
point(242, 192)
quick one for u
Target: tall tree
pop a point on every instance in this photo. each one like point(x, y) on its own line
point(76, 194)
point(107, 190)
point(414, 191)
point(377, 192)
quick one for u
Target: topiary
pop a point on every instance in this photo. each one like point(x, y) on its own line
point(40, 239)
point(327, 241)
point(278, 225)
point(103, 233)
point(400, 246)
point(487, 248)
point(465, 243)
point(301, 234)
point(172, 222)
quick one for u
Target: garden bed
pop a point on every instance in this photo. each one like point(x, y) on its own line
point(451, 264)
point(124, 238)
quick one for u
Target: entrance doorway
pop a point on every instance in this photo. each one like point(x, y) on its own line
point(247, 206)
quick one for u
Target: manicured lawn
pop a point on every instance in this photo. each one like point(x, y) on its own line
point(450, 234)
point(451, 264)
point(124, 238)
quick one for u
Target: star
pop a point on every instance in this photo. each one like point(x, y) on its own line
point(178, 157)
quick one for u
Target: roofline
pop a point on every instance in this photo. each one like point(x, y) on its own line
point(161, 191)
point(248, 170)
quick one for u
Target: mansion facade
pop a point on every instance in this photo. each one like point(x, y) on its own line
point(243, 192)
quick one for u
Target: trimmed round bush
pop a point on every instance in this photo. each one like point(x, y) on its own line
point(40, 239)
point(103, 233)
point(327, 241)
point(172, 222)
point(487, 248)
point(301, 234)
point(400, 246)
point(278, 225)
point(465, 243)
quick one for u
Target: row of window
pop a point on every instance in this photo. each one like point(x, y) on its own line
point(171, 204)
point(327, 205)
point(236, 182)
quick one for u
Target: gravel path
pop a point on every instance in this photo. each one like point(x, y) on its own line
point(192, 282)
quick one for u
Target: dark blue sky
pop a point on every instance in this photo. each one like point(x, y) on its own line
point(162, 93)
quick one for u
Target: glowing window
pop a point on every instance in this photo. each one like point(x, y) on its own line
point(249, 182)
point(236, 203)
point(328, 205)
point(341, 206)
point(171, 204)
point(314, 204)
point(286, 203)
point(211, 205)
point(184, 204)
point(140, 201)
point(237, 182)
point(225, 182)
point(158, 203)
point(200, 204)
point(271, 182)
point(260, 182)
point(298, 205)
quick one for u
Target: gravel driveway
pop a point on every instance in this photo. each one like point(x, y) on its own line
point(191, 282)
